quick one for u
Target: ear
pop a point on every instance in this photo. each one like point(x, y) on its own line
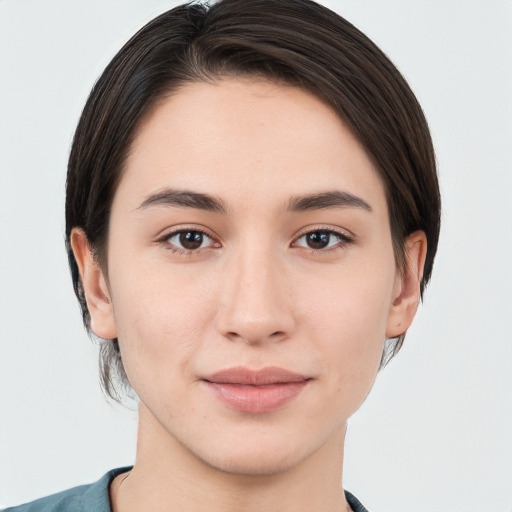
point(95, 287)
point(406, 293)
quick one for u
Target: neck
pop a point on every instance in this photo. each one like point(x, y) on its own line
point(168, 477)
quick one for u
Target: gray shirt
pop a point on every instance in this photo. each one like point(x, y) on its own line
point(95, 498)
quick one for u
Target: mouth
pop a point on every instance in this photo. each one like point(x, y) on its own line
point(256, 391)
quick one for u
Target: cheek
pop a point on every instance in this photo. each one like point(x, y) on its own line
point(161, 317)
point(353, 301)
point(347, 318)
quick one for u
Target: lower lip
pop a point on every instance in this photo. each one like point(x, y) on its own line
point(256, 399)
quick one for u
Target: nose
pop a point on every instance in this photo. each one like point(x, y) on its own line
point(255, 302)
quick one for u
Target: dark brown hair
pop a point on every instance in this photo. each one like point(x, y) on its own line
point(297, 42)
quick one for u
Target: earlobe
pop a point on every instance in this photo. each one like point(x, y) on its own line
point(95, 287)
point(407, 289)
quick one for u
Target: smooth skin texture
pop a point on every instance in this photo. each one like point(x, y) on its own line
point(254, 293)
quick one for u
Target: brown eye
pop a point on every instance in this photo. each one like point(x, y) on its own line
point(322, 239)
point(189, 240)
point(318, 239)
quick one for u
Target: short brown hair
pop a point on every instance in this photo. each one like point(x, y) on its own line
point(297, 42)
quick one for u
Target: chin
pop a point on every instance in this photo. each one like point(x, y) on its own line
point(260, 463)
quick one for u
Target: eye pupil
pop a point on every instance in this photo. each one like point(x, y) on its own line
point(191, 239)
point(318, 239)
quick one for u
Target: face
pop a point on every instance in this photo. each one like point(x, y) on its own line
point(251, 275)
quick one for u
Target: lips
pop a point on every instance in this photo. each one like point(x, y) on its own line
point(256, 391)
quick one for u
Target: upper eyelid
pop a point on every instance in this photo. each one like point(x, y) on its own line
point(335, 230)
point(168, 232)
point(172, 234)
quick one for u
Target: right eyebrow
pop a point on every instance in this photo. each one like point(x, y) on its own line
point(184, 199)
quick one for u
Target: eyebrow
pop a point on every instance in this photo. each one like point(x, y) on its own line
point(330, 199)
point(185, 199)
point(201, 201)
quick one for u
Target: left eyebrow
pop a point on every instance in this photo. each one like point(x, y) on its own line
point(330, 199)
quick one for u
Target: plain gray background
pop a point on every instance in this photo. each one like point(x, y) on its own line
point(435, 433)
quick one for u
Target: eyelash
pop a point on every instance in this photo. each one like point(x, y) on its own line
point(187, 252)
point(343, 239)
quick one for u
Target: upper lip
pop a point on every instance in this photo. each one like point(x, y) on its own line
point(246, 376)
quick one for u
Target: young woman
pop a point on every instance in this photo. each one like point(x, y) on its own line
point(252, 215)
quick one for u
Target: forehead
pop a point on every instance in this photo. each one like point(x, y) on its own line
point(240, 136)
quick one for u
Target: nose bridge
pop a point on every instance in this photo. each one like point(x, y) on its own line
point(253, 306)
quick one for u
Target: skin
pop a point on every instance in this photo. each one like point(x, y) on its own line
point(254, 295)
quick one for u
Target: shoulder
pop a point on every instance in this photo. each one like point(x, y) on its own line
point(354, 503)
point(68, 501)
point(83, 498)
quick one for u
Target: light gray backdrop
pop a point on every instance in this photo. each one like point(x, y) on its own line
point(435, 434)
